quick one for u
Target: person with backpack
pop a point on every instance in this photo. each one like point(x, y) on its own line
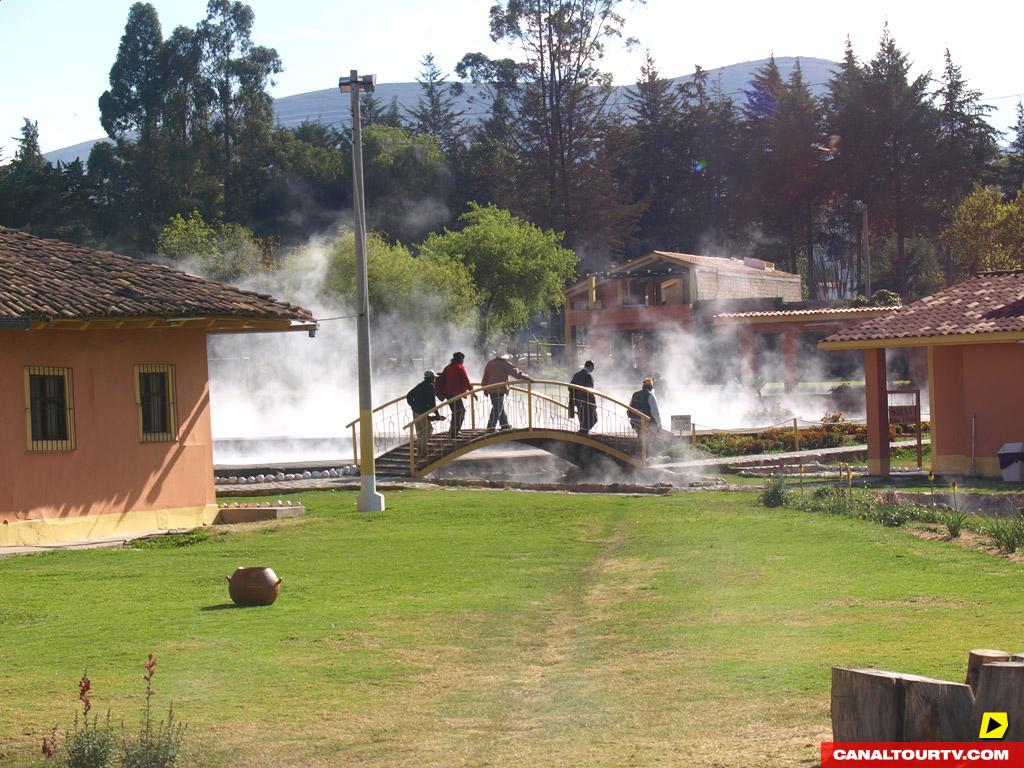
point(643, 400)
point(453, 382)
point(582, 402)
point(421, 399)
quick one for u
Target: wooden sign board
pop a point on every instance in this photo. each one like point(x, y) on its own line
point(681, 423)
point(904, 414)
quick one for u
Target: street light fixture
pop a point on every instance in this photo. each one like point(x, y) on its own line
point(369, 500)
point(865, 252)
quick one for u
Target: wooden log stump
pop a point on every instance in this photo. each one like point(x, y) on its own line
point(937, 710)
point(977, 659)
point(1001, 689)
point(876, 705)
point(867, 705)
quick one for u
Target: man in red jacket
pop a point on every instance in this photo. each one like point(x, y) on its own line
point(452, 382)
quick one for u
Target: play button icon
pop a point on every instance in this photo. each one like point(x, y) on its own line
point(994, 725)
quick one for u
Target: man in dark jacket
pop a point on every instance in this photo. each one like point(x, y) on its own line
point(453, 382)
point(643, 400)
point(421, 399)
point(583, 403)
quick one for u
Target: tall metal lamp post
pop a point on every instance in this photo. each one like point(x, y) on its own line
point(369, 500)
point(865, 254)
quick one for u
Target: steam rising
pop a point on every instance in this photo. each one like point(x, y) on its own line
point(287, 397)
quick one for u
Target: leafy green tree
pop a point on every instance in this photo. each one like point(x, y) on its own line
point(131, 113)
point(1015, 153)
point(519, 270)
point(887, 146)
point(488, 169)
point(407, 182)
point(782, 126)
point(26, 184)
point(418, 292)
point(715, 166)
point(221, 251)
point(651, 164)
point(374, 111)
point(565, 183)
point(238, 72)
point(985, 233)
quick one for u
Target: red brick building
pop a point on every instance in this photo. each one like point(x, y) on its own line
point(663, 291)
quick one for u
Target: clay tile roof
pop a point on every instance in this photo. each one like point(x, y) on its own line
point(798, 313)
point(991, 302)
point(54, 280)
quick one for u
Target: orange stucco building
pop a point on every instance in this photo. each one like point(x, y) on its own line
point(104, 392)
point(973, 333)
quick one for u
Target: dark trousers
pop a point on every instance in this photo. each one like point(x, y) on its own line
point(587, 413)
point(498, 412)
point(458, 416)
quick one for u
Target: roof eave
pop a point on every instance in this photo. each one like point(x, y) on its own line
point(961, 339)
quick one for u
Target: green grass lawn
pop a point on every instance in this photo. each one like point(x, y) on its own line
point(471, 628)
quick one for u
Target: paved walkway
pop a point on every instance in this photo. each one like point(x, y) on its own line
point(722, 462)
point(105, 542)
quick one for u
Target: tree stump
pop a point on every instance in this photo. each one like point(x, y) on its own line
point(867, 705)
point(937, 710)
point(977, 659)
point(875, 705)
point(1001, 689)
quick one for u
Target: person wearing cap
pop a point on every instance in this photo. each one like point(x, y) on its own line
point(453, 382)
point(496, 372)
point(421, 399)
point(643, 400)
point(583, 403)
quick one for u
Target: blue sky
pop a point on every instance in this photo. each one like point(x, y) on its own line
point(55, 55)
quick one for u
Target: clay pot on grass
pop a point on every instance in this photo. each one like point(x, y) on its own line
point(255, 585)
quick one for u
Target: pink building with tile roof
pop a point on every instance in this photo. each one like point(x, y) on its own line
point(973, 333)
point(104, 389)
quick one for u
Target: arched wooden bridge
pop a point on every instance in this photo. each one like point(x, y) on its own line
point(538, 413)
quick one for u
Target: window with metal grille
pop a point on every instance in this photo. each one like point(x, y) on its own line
point(49, 409)
point(154, 397)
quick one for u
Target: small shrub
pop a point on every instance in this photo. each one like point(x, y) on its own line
point(837, 500)
point(156, 747)
point(171, 540)
point(776, 493)
point(1008, 535)
point(91, 746)
point(954, 520)
point(890, 511)
point(159, 746)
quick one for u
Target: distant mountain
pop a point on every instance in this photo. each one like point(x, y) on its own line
point(329, 106)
